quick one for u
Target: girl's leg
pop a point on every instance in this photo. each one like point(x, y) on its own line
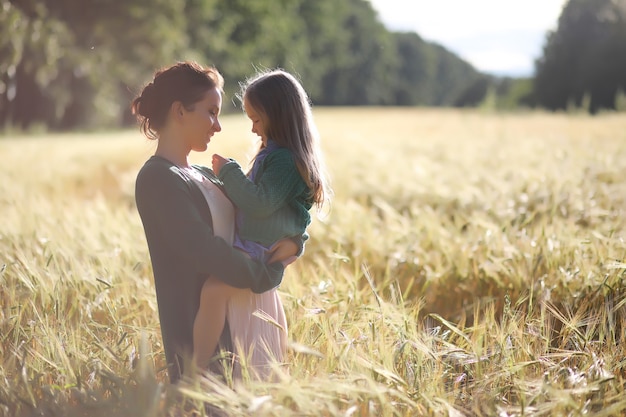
point(210, 320)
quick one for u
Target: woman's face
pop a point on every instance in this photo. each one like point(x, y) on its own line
point(201, 122)
point(258, 125)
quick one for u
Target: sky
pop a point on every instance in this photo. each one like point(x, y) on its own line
point(501, 37)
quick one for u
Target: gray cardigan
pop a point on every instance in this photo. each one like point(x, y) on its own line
point(184, 252)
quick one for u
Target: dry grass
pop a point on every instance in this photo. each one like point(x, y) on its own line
point(472, 264)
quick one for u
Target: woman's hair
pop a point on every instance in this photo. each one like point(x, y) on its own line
point(186, 82)
point(284, 106)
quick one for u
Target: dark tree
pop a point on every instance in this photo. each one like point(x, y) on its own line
point(584, 57)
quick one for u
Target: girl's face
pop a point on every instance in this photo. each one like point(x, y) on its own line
point(201, 123)
point(258, 124)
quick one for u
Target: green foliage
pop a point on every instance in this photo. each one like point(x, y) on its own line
point(452, 76)
point(490, 100)
point(415, 72)
point(364, 74)
point(585, 56)
point(430, 75)
point(241, 35)
point(77, 62)
point(498, 93)
point(13, 32)
point(516, 93)
point(70, 64)
point(475, 93)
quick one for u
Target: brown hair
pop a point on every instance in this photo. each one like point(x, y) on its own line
point(186, 82)
point(285, 108)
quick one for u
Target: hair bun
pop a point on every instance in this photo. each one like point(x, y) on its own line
point(144, 107)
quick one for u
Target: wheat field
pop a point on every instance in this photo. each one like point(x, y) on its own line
point(471, 263)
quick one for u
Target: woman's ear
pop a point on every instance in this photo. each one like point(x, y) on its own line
point(177, 111)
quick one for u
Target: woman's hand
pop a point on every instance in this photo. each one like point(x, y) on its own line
point(284, 251)
point(218, 162)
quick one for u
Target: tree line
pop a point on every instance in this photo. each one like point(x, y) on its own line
point(76, 64)
point(68, 64)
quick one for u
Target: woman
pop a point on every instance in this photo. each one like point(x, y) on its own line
point(189, 224)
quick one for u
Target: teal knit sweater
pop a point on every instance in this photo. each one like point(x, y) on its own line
point(276, 204)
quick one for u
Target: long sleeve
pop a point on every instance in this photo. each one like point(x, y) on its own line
point(172, 219)
point(279, 183)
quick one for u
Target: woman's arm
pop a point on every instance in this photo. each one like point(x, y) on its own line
point(167, 210)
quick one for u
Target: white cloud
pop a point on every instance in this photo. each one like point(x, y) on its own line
point(501, 62)
point(510, 52)
point(470, 28)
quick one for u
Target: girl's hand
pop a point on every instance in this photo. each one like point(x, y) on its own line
point(218, 162)
point(284, 251)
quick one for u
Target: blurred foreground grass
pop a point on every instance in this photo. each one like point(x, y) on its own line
point(471, 264)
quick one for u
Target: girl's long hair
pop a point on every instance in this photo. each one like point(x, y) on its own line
point(283, 104)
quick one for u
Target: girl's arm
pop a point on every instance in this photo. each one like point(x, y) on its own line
point(279, 182)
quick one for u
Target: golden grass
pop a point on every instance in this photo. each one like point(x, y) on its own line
point(471, 264)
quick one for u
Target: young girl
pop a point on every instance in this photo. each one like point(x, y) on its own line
point(273, 200)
